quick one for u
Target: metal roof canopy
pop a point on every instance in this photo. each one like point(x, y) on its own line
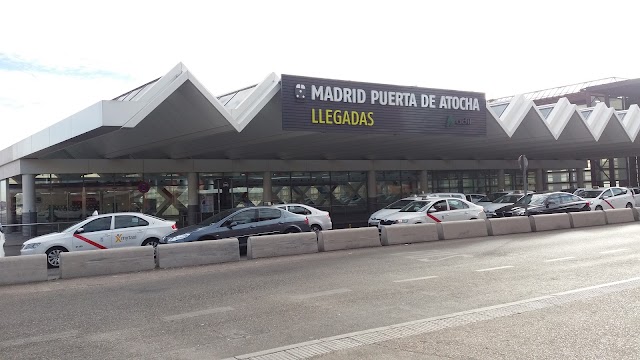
point(176, 117)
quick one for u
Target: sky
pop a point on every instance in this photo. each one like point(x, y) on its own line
point(59, 57)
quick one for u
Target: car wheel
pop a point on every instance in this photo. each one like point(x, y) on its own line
point(316, 227)
point(151, 242)
point(629, 206)
point(598, 207)
point(53, 256)
point(292, 230)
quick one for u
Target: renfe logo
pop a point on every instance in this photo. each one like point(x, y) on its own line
point(300, 92)
point(451, 122)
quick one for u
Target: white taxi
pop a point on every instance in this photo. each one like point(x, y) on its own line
point(607, 198)
point(108, 231)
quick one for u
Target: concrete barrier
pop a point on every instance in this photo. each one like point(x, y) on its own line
point(282, 245)
point(508, 225)
point(618, 216)
point(550, 222)
point(197, 253)
point(636, 214)
point(462, 229)
point(587, 218)
point(407, 234)
point(106, 262)
point(329, 240)
point(23, 269)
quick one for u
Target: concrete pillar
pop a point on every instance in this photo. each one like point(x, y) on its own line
point(193, 205)
point(595, 172)
point(29, 215)
point(424, 181)
point(501, 180)
point(10, 206)
point(632, 171)
point(267, 195)
point(580, 177)
point(539, 180)
point(372, 192)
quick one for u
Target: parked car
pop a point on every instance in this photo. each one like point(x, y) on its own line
point(394, 207)
point(447, 195)
point(435, 210)
point(504, 200)
point(545, 203)
point(101, 232)
point(608, 198)
point(636, 195)
point(241, 223)
point(318, 219)
point(475, 198)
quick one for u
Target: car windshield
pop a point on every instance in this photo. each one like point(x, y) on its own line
point(532, 199)
point(217, 217)
point(589, 194)
point(494, 196)
point(415, 206)
point(506, 199)
point(399, 204)
point(70, 228)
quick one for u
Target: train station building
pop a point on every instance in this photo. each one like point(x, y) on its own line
point(172, 149)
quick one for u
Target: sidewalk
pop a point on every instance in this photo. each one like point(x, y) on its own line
point(13, 243)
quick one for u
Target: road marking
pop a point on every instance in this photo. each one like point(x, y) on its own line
point(198, 313)
point(445, 258)
point(613, 251)
point(331, 344)
point(560, 259)
point(495, 268)
point(321, 293)
point(415, 279)
point(37, 339)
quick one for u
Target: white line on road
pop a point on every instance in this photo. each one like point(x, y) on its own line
point(321, 293)
point(197, 313)
point(415, 279)
point(37, 339)
point(560, 259)
point(495, 268)
point(613, 251)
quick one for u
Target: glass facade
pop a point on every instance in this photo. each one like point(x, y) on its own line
point(468, 182)
point(394, 185)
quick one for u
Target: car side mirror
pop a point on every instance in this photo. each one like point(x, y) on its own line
point(79, 231)
point(232, 224)
point(431, 210)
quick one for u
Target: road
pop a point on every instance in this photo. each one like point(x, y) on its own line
point(226, 310)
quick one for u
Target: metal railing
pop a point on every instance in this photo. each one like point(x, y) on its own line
point(36, 229)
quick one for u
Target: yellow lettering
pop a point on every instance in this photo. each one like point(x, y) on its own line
point(354, 118)
point(313, 116)
point(337, 117)
point(362, 120)
point(370, 117)
point(329, 116)
point(345, 119)
point(320, 120)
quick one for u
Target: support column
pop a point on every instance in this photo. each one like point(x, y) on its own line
point(632, 171)
point(539, 180)
point(29, 215)
point(10, 206)
point(193, 204)
point(424, 181)
point(267, 195)
point(580, 177)
point(501, 180)
point(612, 173)
point(595, 172)
point(372, 192)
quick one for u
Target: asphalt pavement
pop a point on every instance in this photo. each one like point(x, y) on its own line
point(220, 311)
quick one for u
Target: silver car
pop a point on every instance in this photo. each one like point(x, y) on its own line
point(435, 211)
point(505, 200)
point(318, 219)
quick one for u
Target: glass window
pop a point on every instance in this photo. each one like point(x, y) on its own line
point(299, 210)
point(415, 206)
point(618, 191)
point(269, 214)
point(457, 205)
point(245, 217)
point(607, 194)
point(101, 224)
point(127, 221)
point(440, 206)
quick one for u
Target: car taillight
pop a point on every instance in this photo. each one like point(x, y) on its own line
point(306, 220)
point(174, 227)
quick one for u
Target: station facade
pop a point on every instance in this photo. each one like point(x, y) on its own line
point(171, 149)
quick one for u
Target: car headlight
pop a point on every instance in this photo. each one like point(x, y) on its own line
point(178, 237)
point(30, 246)
point(591, 202)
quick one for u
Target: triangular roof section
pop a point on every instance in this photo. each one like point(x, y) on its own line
point(630, 120)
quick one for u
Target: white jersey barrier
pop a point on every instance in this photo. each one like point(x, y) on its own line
point(282, 245)
point(619, 216)
point(408, 234)
point(197, 253)
point(587, 218)
point(23, 269)
point(330, 240)
point(106, 262)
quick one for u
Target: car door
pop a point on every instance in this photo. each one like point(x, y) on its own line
point(606, 200)
point(129, 230)
point(242, 224)
point(621, 198)
point(95, 234)
point(458, 210)
point(271, 221)
point(553, 204)
point(438, 212)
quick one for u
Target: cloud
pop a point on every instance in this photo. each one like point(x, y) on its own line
point(10, 62)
